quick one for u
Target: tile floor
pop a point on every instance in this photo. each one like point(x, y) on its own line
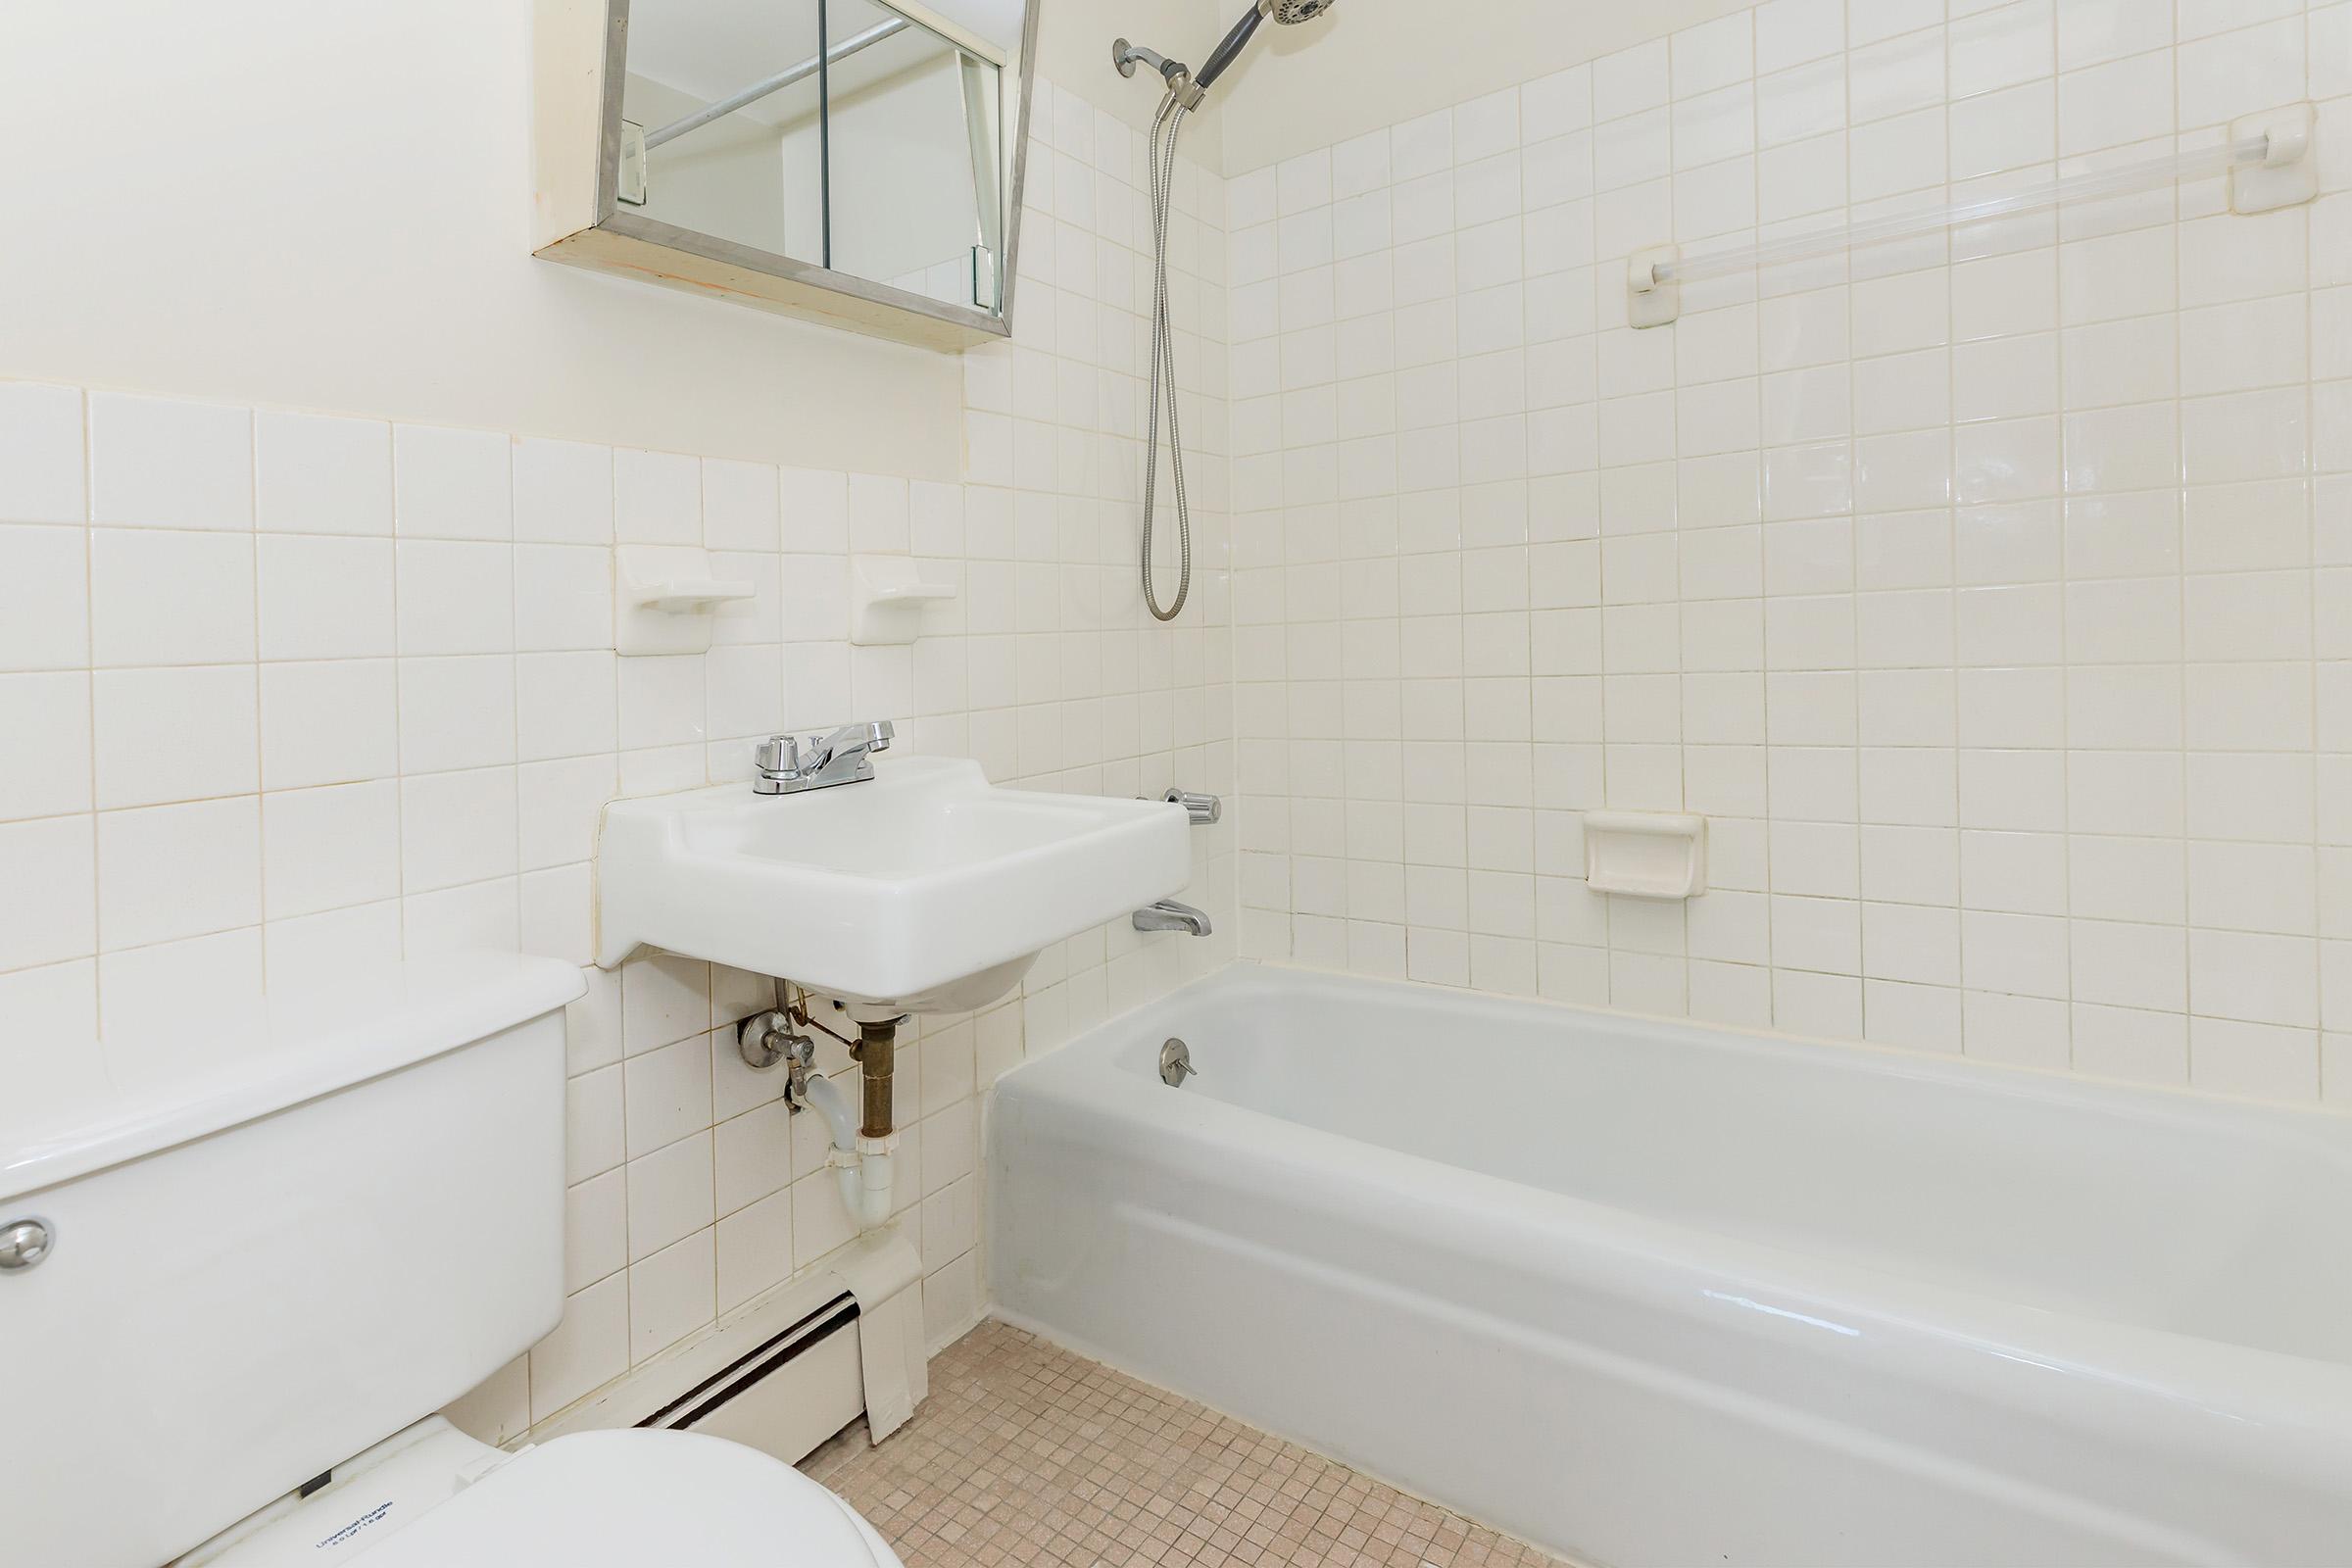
point(1027, 1455)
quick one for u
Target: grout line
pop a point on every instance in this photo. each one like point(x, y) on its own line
point(261, 817)
point(89, 633)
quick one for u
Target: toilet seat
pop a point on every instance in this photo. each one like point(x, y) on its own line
point(626, 1498)
point(634, 1499)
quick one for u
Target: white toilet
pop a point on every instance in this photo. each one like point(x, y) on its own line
point(242, 1264)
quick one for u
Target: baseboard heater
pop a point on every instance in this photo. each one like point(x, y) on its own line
point(786, 1394)
point(789, 1370)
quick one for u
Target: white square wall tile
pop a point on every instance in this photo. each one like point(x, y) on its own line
point(1713, 54)
point(456, 828)
point(55, 1001)
point(755, 1249)
point(1487, 125)
point(1791, 32)
point(596, 1229)
point(455, 598)
point(672, 1295)
point(559, 804)
point(456, 713)
point(661, 701)
point(555, 914)
point(815, 508)
point(44, 597)
point(878, 513)
point(656, 498)
point(42, 456)
point(152, 989)
point(664, 1000)
point(562, 492)
point(593, 1122)
point(325, 596)
point(739, 506)
point(667, 1093)
point(1632, 80)
point(163, 463)
point(172, 872)
point(328, 723)
point(483, 915)
point(563, 704)
point(170, 598)
point(452, 484)
point(176, 734)
point(669, 1194)
point(935, 518)
point(320, 473)
point(365, 935)
point(819, 1223)
point(562, 597)
point(50, 868)
point(45, 766)
point(330, 847)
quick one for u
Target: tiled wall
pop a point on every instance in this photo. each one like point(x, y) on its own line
point(1993, 599)
point(280, 689)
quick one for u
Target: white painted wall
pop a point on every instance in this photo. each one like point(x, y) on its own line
point(1373, 62)
point(327, 206)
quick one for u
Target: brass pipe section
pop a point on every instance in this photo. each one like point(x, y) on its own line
point(877, 1056)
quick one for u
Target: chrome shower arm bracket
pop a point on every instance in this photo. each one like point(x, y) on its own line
point(1125, 57)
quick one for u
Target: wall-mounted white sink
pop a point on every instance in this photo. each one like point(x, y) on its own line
point(923, 889)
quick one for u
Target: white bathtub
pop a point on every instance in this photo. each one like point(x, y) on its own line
point(1646, 1293)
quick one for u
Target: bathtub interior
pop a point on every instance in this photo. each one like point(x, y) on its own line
point(2185, 1215)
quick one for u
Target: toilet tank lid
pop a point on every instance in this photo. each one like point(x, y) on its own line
point(73, 1107)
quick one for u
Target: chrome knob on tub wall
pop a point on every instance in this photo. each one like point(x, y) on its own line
point(25, 1244)
point(1201, 808)
point(1176, 1062)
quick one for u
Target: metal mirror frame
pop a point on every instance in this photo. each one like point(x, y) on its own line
point(612, 218)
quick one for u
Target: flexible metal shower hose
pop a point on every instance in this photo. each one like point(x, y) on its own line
point(1163, 368)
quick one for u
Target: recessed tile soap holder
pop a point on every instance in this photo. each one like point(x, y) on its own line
point(1645, 855)
point(664, 598)
point(887, 596)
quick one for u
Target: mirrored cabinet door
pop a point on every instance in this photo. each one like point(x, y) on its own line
point(852, 160)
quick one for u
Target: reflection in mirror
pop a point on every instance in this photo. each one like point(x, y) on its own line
point(713, 153)
point(843, 134)
point(912, 124)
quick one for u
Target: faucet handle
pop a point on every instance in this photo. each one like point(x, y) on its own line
point(1201, 808)
point(780, 754)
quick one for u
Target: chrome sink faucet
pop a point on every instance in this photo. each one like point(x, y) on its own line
point(789, 764)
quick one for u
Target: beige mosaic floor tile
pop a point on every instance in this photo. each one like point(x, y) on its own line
point(1027, 1455)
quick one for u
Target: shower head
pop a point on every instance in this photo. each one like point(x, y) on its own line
point(1285, 13)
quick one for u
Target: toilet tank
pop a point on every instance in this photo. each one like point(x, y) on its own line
point(275, 1236)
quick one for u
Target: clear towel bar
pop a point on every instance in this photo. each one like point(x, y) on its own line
point(2259, 145)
